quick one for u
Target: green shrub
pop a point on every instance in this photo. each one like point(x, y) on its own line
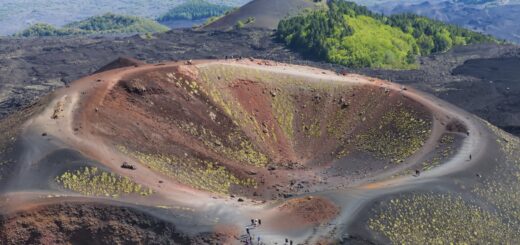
point(351, 35)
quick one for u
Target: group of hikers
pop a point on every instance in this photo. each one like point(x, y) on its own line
point(254, 223)
point(250, 238)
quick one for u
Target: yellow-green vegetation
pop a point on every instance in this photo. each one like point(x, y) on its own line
point(431, 218)
point(398, 45)
point(190, 86)
point(447, 219)
point(283, 109)
point(243, 151)
point(201, 174)
point(352, 35)
point(502, 187)
point(91, 181)
point(504, 194)
point(401, 132)
point(312, 128)
point(338, 123)
point(509, 144)
point(218, 76)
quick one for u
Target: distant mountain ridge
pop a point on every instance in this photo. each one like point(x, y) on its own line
point(498, 18)
point(16, 15)
point(105, 24)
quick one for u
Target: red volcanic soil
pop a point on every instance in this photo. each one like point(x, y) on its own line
point(256, 125)
point(222, 138)
point(305, 211)
point(91, 224)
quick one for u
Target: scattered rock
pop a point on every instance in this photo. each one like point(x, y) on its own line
point(127, 165)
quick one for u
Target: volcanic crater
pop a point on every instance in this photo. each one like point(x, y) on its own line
point(216, 142)
point(251, 129)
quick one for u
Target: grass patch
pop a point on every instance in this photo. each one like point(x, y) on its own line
point(283, 109)
point(440, 219)
point(91, 181)
point(399, 135)
point(200, 174)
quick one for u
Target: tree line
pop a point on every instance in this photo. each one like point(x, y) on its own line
point(349, 34)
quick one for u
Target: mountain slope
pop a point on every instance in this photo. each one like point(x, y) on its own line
point(265, 13)
point(16, 15)
point(500, 20)
point(107, 23)
point(351, 35)
point(194, 10)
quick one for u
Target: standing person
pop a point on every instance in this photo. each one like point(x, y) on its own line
point(247, 230)
point(259, 221)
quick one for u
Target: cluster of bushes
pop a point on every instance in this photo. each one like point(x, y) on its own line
point(352, 35)
point(195, 10)
point(107, 23)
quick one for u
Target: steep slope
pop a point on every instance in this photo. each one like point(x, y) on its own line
point(263, 13)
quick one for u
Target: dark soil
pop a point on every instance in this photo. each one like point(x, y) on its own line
point(266, 13)
point(31, 68)
point(92, 224)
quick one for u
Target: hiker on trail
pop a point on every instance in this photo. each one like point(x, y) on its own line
point(259, 221)
point(469, 156)
point(247, 230)
point(290, 243)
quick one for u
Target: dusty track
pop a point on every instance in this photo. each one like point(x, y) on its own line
point(74, 119)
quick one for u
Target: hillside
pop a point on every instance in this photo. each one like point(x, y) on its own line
point(262, 13)
point(105, 24)
point(351, 35)
point(194, 10)
point(17, 15)
point(494, 18)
